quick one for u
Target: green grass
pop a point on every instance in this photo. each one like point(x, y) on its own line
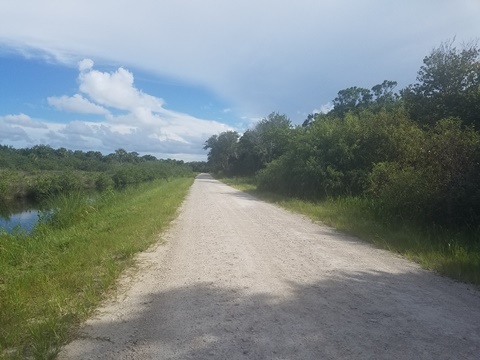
point(455, 254)
point(52, 279)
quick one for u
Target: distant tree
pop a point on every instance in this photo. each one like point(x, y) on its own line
point(356, 99)
point(249, 160)
point(149, 158)
point(273, 135)
point(383, 94)
point(199, 166)
point(42, 151)
point(265, 142)
point(222, 150)
point(448, 86)
point(62, 152)
point(310, 118)
point(351, 99)
point(122, 156)
point(94, 155)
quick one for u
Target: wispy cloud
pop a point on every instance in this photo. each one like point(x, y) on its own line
point(261, 56)
point(76, 104)
point(22, 120)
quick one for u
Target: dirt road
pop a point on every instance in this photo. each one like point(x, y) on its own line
point(242, 279)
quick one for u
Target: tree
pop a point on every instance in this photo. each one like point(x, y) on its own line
point(310, 118)
point(448, 86)
point(223, 150)
point(334, 156)
point(272, 136)
point(351, 99)
point(149, 157)
point(356, 99)
point(384, 95)
point(249, 161)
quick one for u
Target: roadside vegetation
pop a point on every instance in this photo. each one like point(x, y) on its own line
point(400, 169)
point(51, 279)
point(39, 172)
point(99, 210)
point(451, 252)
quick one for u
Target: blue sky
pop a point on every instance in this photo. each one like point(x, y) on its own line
point(161, 76)
point(28, 83)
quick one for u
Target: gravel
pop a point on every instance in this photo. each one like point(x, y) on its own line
point(237, 278)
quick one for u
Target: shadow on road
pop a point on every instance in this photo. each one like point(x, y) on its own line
point(350, 316)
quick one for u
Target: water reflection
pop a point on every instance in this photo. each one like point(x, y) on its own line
point(25, 220)
point(21, 215)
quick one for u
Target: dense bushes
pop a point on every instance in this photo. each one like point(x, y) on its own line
point(41, 171)
point(427, 176)
point(438, 183)
point(335, 155)
point(414, 156)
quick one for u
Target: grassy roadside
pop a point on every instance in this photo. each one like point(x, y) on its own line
point(53, 279)
point(448, 252)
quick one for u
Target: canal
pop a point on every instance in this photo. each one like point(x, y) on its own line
point(19, 215)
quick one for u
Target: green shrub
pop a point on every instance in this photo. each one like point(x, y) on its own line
point(103, 182)
point(438, 182)
point(67, 209)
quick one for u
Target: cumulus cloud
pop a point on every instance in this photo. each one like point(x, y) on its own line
point(23, 121)
point(21, 130)
point(138, 121)
point(76, 104)
point(85, 64)
point(115, 89)
point(79, 128)
point(266, 66)
point(15, 134)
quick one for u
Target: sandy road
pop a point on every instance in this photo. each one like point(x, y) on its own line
point(242, 279)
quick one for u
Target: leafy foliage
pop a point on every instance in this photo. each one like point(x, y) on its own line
point(223, 150)
point(334, 156)
point(267, 141)
point(438, 183)
point(448, 86)
point(356, 99)
point(414, 156)
point(42, 171)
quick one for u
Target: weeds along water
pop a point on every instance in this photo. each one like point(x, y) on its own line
point(451, 252)
point(52, 278)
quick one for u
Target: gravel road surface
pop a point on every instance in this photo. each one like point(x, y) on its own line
point(242, 279)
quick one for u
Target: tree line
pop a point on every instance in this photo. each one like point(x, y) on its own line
point(39, 172)
point(415, 154)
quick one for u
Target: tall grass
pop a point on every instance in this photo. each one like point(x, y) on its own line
point(454, 253)
point(51, 279)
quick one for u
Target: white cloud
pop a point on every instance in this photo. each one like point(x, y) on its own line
point(325, 108)
point(85, 64)
point(15, 134)
point(143, 125)
point(79, 128)
point(116, 90)
point(77, 104)
point(257, 68)
point(243, 50)
point(22, 120)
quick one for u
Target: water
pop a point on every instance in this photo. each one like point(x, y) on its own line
point(25, 220)
point(18, 214)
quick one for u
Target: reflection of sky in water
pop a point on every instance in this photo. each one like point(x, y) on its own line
point(26, 220)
